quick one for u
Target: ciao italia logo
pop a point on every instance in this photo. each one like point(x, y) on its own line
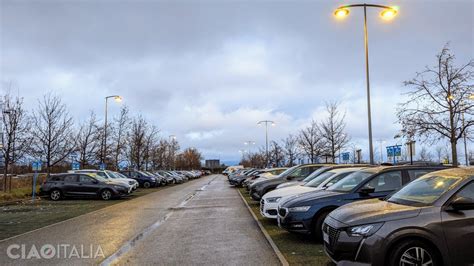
point(59, 251)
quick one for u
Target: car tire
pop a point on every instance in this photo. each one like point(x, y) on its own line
point(106, 194)
point(146, 184)
point(416, 251)
point(317, 230)
point(55, 195)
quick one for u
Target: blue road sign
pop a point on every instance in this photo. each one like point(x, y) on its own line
point(75, 166)
point(102, 166)
point(36, 166)
point(345, 156)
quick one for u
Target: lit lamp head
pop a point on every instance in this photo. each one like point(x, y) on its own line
point(341, 12)
point(118, 98)
point(389, 13)
point(273, 124)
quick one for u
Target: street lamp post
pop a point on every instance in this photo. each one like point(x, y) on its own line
point(249, 143)
point(117, 98)
point(387, 13)
point(266, 122)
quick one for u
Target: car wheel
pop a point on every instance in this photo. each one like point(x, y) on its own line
point(106, 194)
point(318, 226)
point(174, 181)
point(414, 252)
point(55, 195)
point(146, 184)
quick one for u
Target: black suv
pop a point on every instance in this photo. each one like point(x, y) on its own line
point(145, 180)
point(306, 212)
point(59, 186)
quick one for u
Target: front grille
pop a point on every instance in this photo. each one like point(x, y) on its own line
point(282, 212)
point(333, 234)
point(272, 212)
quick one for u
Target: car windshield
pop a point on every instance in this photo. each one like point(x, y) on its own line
point(314, 174)
point(120, 175)
point(350, 182)
point(319, 179)
point(424, 191)
point(288, 171)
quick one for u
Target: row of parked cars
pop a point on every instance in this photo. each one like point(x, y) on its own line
point(106, 184)
point(372, 215)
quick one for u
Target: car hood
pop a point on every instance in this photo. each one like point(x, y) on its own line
point(309, 197)
point(118, 183)
point(373, 211)
point(289, 184)
point(288, 191)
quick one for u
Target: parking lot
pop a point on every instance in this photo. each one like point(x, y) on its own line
point(203, 218)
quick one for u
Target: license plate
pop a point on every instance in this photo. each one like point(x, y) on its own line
point(325, 237)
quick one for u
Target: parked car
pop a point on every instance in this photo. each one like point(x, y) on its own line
point(161, 181)
point(295, 173)
point(145, 180)
point(317, 173)
point(239, 179)
point(305, 213)
point(58, 186)
point(269, 202)
point(112, 176)
point(430, 221)
point(267, 174)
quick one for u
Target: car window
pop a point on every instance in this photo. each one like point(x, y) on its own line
point(386, 182)
point(335, 179)
point(56, 178)
point(319, 179)
point(101, 174)
point(467, 191)
point(85, 179)
point(415, 174)
point(70, 178)
point(350, 182)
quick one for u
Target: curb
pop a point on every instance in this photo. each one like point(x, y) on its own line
point(280, 256)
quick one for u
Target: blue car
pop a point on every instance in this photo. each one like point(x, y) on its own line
point(305, 213)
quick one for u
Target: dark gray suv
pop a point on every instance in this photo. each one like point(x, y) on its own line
point(430, 221)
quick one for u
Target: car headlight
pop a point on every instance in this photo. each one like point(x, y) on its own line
point(273, 199)
point(299, 209)
point(364, 230)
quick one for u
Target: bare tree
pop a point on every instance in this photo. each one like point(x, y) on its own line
point(137, 141)
point(332, 130)
point(277, 154)
point(290, 145)
point(425, 155)
point(150, 145)
point(257, 159)
point(52, 133)
point(439, 153)
point(88, 141)
point(15, 134)
point(189, 159)
point(119, 137)
point(437, 100)
point(310, 141)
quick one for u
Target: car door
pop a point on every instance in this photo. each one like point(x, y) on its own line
point(383, 184)
point(70, 185)
point(458, 230)
point(87, 185)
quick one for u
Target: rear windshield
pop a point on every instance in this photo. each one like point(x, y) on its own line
point(319, 179)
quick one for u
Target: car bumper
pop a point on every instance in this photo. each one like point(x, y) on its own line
point(297, 222)
point(343, 249)
point(268, 209)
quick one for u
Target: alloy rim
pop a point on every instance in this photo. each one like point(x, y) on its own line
point(106, 194)
point(416, 256)
point(55, 195)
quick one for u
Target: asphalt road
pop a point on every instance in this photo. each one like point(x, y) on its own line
point(201, 222)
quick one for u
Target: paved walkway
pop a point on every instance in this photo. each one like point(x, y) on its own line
point(202, 222)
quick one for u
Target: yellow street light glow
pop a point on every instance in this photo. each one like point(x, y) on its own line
point(388, 13)
point(471, 97)
point(118, 98)
point(341, 12)
point(450, 97)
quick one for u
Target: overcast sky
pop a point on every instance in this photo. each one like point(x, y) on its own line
point(207, 71)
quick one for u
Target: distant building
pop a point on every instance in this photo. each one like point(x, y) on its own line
point(212, 164)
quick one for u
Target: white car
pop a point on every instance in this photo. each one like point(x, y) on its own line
point(269, 201)
point(132, 183)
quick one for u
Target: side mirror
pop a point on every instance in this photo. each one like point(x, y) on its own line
point(462, 204)
point(290, 178)
point(366, 190)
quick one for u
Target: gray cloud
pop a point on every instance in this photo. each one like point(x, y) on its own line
point(207, 71)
